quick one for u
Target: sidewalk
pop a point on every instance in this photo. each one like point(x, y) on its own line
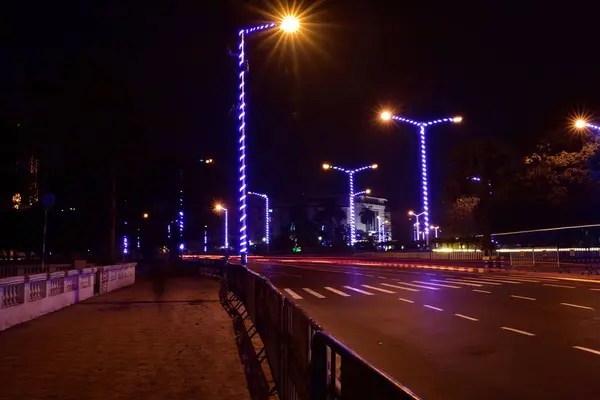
point(147, 341)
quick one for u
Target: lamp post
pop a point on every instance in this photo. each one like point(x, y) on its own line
point(436, 228)
point(412, 214)
point(288, 25)
point(267, 215)
point(205, 238)
point(219, 208)
point(366, 191)
point(422, 125)
point(581, 124)
point(351, 195)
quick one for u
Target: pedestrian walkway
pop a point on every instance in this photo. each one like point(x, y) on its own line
point(170, 340)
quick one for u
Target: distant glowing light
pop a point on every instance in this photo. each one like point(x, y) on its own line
point(386, 116)
point(579, 124)
point(125, 245)
point(146, 215)
point(205, 238)
point(290, 24)
point(351, 195)
point(16, 200)
point(457, 120)
point(218, 208)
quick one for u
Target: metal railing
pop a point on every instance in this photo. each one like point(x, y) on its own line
point(306, 362)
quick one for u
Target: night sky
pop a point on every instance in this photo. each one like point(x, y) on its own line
point(150, 82)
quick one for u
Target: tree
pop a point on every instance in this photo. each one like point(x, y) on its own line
point(367, 216)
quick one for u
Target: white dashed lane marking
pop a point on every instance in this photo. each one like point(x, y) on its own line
point(481, 291)
point(560, 286)
point(438, 284)
point(405, 300)
point(577, 306)
point(458, 282)
point(522, 297)
point(466, 317)
point(316, 294)
point(479, 281)
point(358, 290)
point(401, 287)
point(378, 289)
point(337, 291)
point(596, 352)
point(294, 295)
point(419, 286)
point(433, 308)
point(518, 331)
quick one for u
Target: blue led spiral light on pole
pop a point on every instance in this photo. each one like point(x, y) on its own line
point(267, 214)
point(288, 25)
point(351, 195)
point(387, 116)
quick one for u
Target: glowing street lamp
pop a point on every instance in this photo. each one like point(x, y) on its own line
point(362, 192)
point(288, 25)
point(412, 214)
point(422, 125)
point(145, 215)
point(435, 228)
point(581, 124)
point(267, 215)
point(219, 208)
point(351, 195)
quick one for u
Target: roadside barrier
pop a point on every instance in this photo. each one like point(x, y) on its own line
point(306, 362)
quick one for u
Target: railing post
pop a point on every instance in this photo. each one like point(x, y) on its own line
point(318, 366)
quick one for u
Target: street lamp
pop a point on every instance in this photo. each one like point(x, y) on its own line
point(219, 208)
point(388, 116)
point(289, 25)
point(411, 214)
point(435, 228)
point(267, 222)
point(146, 215)
point(581, 124)
point(351, 195)
point(366, 191)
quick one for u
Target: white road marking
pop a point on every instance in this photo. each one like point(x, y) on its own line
point(518, 331)
point(561, 286)
point(577, 306)
point(400, 287)
point(382, 277)
point(378, 289)
point(458, 282)
point(466, 317)
point(294, 295)
point(406, 300)
point(596, 352)
point(337, 291)
point(419, 286)
point(523, 280)
point(481, 291)
point(317, 295)
point(433, 308)
point(439, 284)
point(499, 281)
point(475, 281)
point(358, 290)
point(595, 290)
point(580, 280)
point(371, 276)
point(521, 297)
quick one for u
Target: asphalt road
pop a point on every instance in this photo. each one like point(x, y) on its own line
point(452, 335)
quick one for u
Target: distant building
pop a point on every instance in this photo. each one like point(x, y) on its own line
point(371, 215)
point(26, 193)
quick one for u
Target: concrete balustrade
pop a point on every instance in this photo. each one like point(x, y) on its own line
point(23, 298)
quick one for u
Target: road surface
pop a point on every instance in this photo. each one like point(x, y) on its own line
point(456, 335)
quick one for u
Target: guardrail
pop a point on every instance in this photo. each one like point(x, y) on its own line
point(306, 362)
point(561, 259)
